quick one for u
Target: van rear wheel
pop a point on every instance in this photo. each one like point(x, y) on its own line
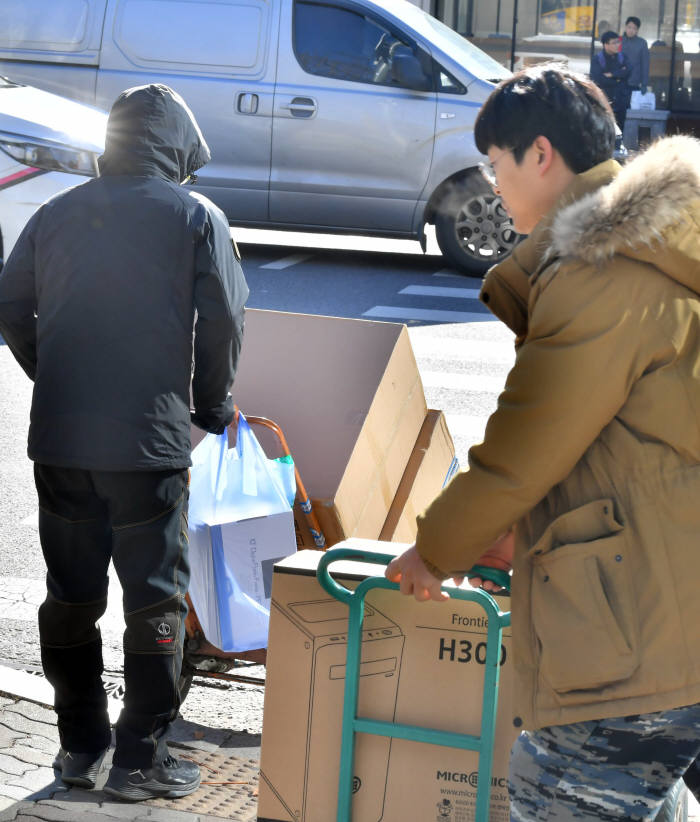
point(472, 228)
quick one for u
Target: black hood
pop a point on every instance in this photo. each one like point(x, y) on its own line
point(152, 133)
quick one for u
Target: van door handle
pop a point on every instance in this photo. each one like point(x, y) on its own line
point(303, 107)
point(247, 103)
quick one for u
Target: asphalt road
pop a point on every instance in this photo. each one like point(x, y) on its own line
point(462, 355)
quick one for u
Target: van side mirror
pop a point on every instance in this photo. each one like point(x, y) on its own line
point(407, 70)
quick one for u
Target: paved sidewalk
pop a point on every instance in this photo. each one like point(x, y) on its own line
point(31, 791)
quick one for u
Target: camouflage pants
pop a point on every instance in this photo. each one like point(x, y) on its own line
point(611, 769)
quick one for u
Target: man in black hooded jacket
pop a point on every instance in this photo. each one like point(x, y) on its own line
point(97, 304)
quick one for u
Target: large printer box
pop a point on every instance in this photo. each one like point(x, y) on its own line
point(422, 664)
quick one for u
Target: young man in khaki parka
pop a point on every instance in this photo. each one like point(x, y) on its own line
point(587, 482)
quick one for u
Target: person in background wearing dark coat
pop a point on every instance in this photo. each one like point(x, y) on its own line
point(97, 303)
point(636, 53)
point(609, 71)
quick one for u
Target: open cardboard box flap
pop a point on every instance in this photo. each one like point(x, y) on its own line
point(431, 466)
point(349, 399)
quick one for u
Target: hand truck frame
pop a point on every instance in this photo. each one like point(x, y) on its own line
point(352, 724)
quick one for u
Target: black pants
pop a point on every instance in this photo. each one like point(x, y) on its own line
point(139, 521)
point(620, 104)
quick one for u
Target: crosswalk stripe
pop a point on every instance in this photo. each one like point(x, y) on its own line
point(286, 262)
point(441, 291)
point(427, 314)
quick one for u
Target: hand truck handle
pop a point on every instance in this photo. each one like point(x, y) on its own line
point(358, 555)
point(496, 575)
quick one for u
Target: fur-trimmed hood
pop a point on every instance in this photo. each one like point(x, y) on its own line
point(648, 211)
point(653, 199)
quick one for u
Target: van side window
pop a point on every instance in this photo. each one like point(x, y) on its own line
point(446, 83)
point(337, 42)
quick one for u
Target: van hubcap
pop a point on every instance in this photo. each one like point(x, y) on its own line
point(484, 229)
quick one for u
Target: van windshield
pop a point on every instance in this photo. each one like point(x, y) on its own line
point(466, 54)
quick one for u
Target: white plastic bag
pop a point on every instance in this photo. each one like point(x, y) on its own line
point(240, 524)
point(643, 101)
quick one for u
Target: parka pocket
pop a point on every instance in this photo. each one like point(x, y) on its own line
point(583, 606)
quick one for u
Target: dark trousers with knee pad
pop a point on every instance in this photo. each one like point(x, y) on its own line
point(138, 519)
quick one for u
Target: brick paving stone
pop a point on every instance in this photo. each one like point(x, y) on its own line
point(30, 755)
point(16, 792)
point(12, 766)
point(8, 737)
point(18, 722)
point(36, 781)
point(5, 804)
point(52, 812)
point(23, 795)
point(8, 812)
point(41, 743)
point(80, 802)
point(30, 710)
point(31, 791)
point(122, 810)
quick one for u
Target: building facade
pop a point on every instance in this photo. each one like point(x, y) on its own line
point(519, 33)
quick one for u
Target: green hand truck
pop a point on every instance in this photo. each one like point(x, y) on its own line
point(352, 724)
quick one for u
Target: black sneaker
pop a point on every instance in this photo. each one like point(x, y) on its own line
point(170, 778)
point(79, 769)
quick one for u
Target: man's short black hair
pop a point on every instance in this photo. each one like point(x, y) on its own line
point(548, 101)
point(607, 36)
point(637, 22)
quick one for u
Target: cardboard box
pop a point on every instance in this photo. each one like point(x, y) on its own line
point(422, 664)
point(431, 466)
point(349, 399)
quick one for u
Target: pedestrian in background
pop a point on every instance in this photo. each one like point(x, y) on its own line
point(609, 71)
point(636, 53)
point(97, 304)
point(588, 478)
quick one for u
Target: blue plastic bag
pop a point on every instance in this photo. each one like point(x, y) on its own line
point(240, 524)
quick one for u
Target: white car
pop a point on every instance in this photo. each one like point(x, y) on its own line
point(47, 144)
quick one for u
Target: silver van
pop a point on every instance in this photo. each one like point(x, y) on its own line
point(348, 116)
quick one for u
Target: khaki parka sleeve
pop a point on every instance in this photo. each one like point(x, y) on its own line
point(573, 372)
point(505, 291)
